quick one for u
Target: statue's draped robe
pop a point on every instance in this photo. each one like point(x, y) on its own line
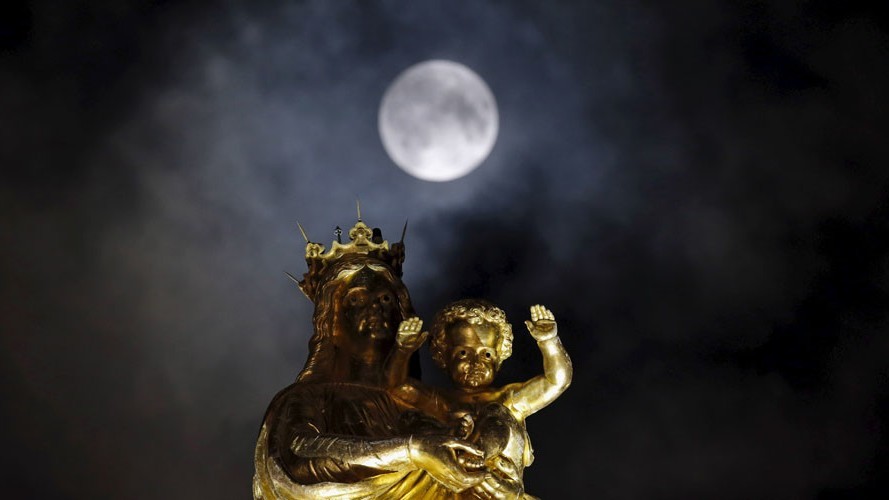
point(333, 409)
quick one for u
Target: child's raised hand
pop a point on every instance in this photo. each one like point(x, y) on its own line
point(543, 324)
point(409, 336)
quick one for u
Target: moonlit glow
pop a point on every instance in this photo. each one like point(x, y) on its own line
point(438, 120)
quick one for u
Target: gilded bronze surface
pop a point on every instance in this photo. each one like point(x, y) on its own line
point(354, 425)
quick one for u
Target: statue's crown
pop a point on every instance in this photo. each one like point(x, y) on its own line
point(362, 241)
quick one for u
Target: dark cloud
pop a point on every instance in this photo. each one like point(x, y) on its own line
point(697, 190)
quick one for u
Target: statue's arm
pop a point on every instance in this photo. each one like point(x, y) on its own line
point(349, 459)
point(407, 340)
point(310, 455)
point(296, 415)
point(313, 470)
point(529, 397)
point(378, 455)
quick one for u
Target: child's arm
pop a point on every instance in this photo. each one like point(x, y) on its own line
point(527, 398)
point(407, 340)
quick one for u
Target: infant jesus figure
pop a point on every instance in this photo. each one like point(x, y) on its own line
point(470, 340)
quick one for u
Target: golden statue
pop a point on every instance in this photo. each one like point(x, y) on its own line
point(470, 340)
point(354, 426)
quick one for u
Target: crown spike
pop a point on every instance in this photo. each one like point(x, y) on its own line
point(303, 231)
point(358, 206)
point(292, 277)
point(339, 234)
point(404, 231)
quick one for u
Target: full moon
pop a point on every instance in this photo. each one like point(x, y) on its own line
point(438, 120)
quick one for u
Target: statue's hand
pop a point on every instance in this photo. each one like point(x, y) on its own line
point(437, 455)
point(409, 336)
point(498, 487)
point(543, 324)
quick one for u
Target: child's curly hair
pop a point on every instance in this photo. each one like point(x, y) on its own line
point(474, 312)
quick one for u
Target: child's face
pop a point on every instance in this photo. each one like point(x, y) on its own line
point(472, 361)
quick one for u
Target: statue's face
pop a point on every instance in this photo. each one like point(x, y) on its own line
point(368, 312)
point(473, 355)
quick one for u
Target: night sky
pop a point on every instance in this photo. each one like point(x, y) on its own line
point(699, 190)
